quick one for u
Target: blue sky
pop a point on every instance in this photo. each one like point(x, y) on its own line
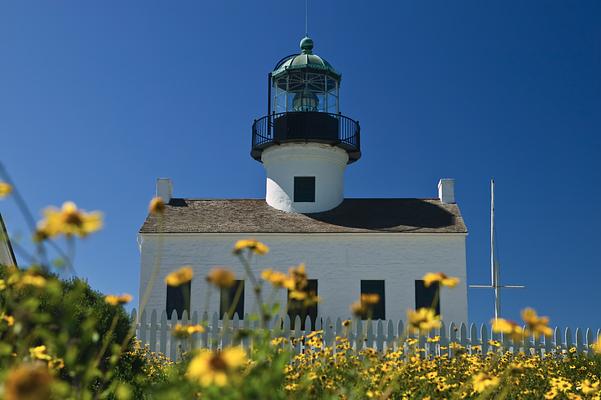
point(97, 99)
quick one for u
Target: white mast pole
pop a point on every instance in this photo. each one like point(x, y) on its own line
point(493, 265)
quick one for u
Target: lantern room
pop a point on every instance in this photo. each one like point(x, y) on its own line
point(305, 82)
point(303, 105)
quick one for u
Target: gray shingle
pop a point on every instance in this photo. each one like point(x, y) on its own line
point(352, 216)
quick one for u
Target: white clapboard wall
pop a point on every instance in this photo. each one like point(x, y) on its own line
point(155, 331)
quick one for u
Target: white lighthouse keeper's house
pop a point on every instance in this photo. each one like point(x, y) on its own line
point(350, 246)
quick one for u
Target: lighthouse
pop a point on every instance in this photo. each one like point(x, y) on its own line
point(350, 246)
point(304, 142)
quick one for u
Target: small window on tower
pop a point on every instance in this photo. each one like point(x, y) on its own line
point(374, 291)
point(232, 300)
point(428, 297)
point(178, 300)
point(304, 189)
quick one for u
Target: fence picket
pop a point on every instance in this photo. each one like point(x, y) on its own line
point(390, 346)
point(153, 331)
point(236, 329)
point(578, 336)
point(463, 340)
point(204, 336)
point(474, 342)
point(484, 338)
point(380, 338)
point(174, 340)
point(444, 342)
point(142, 328)
point(557, 339)
point(163, 333)
point(215, 331)
point(195, 338)
point(328, 333)
point(568, 339)
point(369, 337)
point(287, 326)
point(589, 341)
point(308, 325)
point(452, 338)
point(297, 334)
point(359, 334)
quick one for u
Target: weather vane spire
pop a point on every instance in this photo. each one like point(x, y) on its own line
point(306, 17)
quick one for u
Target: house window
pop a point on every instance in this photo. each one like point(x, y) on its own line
point(232, 300)
point(378, 310)
point(304, 189)
point(299, 308)
point(178, 300)
point(428, 297)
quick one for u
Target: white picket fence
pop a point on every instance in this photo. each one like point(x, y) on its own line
point(380, 335)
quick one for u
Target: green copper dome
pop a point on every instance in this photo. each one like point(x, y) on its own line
point(306, 60)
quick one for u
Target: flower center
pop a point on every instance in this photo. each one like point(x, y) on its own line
point(217, 363)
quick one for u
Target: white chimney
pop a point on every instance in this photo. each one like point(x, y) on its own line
point(446, 190)
point(164, 189)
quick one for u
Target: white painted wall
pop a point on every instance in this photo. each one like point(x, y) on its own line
point(326, 163)
point(338, 261)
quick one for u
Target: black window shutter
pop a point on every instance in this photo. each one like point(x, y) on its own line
point(375, 287)
point(425, 296)
point(178, 299)
point(304, 189)
point(228, 295)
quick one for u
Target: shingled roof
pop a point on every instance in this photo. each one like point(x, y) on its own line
point(351, 216)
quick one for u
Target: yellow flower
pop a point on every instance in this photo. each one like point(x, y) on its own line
point(509, 328)
point(179, 277)
point(370, 299)
point(39, 353)
point(156, 206)
point(10, 320)
point(115, 300)
point(359, 310)
point(298, 295)
point(483, 382)
point(221, 277)
point(277, 279)
point(551, 394)
point(183, 331)
point(28, 381)
point(434, 339)
point(314, 333)
point(5, 189)
point(2, 284)
point(56, 363)
point(561, 384)
point(68, 221)
point(494, 343)
point(535, 324)
point(216, 367)
point(253, 245)
point(424, 319)
point(589, 387)
point(30, 279)
point(441, 278)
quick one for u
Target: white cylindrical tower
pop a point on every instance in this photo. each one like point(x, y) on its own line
point(304, 177)
point(304, 142)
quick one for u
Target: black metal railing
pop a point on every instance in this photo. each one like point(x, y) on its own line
point(319, 127)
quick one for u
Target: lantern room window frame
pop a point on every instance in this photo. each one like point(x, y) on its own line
point(287, 86)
